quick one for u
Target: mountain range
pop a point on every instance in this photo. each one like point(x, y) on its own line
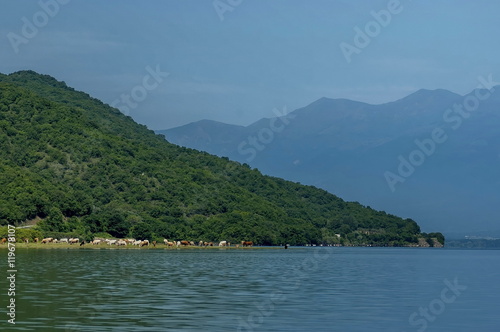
point(433, 156)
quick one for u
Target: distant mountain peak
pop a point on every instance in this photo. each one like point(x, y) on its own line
point(422, 95)
point(325, 101)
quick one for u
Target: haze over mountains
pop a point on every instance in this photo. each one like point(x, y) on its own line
point(432, 156)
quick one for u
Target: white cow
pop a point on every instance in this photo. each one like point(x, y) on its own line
point(74, 240)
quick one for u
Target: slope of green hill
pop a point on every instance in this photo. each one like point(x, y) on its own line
point(82, 167)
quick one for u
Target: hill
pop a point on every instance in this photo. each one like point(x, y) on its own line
point(79, 166)
point(348, 147)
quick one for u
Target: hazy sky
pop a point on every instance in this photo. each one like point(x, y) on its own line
point(236, 60)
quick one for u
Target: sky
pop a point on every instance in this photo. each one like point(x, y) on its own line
point(167, 63)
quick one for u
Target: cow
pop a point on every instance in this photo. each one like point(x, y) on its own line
point(96, 242)
point(144, 243)
point(130, 241)
point(223, 243)
point(184, 243)
point(110, 242)
point(36, 240)
point(121, 243)
point(4, 240)
point(137, 243)
point(64, 239)
point(47, 240)
point(154, 244)
point(246, 243)
point(200, 243)
point(74, 240)
point(55, 241)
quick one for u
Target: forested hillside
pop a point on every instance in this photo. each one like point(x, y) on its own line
point(79, 166)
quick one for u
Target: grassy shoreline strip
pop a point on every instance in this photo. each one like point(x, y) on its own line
point(130, 247)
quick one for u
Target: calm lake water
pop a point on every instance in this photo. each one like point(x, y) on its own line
point(301, 289)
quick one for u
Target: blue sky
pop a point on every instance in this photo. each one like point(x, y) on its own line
point(238, 63)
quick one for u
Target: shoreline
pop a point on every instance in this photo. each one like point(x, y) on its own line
point(88, 246)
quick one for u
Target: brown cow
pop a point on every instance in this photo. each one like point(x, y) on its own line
point(246, 243)
point(184, 243)
point(4, 240)
point(154, 243)
point(47, 240)
point(36, 240)
point(26, 240)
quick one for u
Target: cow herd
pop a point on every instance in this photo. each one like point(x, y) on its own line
point(134, 242)
point(52, 240)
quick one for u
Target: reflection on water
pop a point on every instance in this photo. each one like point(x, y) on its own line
point(302, 289)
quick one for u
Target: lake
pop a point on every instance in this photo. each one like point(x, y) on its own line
point(300, 289)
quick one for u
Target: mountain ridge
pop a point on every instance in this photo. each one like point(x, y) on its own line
point(327, 144)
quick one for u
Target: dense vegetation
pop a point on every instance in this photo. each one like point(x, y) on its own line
point(78, 166)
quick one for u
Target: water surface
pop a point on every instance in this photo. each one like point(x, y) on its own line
point(301, 289)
